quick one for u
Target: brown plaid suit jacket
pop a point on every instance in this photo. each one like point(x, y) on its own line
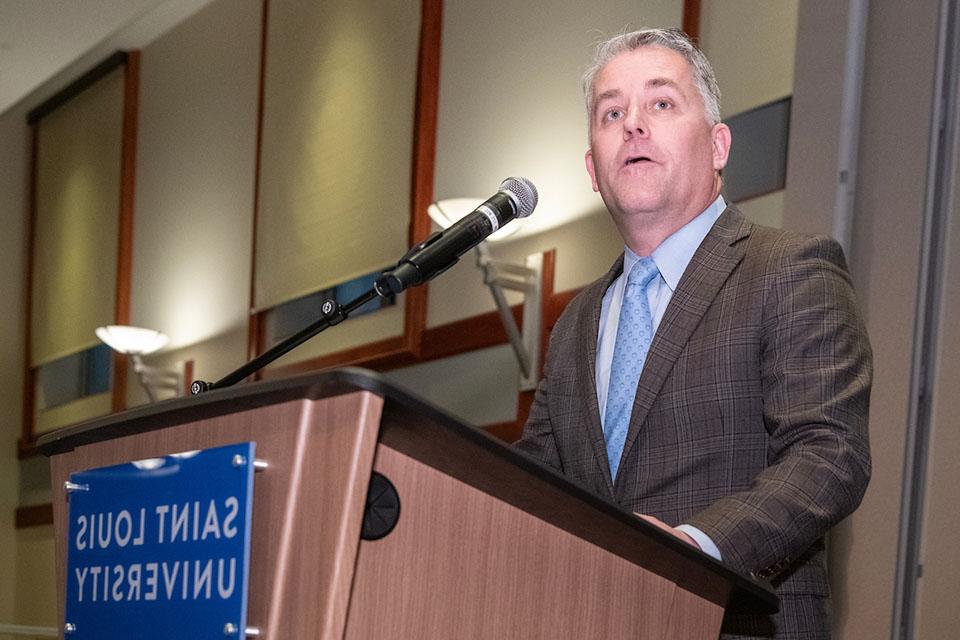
point(750, 419)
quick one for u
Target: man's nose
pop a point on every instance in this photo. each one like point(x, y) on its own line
point(634, 123)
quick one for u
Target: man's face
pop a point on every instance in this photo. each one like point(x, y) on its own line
point(652, 150)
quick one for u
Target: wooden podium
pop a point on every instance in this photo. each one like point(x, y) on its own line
point(488, 543)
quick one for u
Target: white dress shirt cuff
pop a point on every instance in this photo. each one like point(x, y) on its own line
point(702, 539)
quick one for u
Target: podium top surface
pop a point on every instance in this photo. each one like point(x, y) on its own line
point(430, 434)
point(221, 402)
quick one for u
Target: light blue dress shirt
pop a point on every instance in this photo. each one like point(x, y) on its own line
point(671, 257)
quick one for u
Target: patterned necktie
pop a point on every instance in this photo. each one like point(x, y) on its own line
point(634, 335)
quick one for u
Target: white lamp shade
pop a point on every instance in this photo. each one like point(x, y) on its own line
point(132, 340)
point(446, 212)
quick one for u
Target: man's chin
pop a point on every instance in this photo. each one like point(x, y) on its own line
point(640, 206)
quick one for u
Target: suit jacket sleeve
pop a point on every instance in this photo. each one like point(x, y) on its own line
point(815, 365)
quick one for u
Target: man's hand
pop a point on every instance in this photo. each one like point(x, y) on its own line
point(674, 532)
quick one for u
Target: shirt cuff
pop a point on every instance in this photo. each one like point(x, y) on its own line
point(702, 539)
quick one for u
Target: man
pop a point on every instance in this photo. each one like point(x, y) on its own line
point(716, 380)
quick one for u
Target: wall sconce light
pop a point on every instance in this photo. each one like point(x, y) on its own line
point(500, 275)
point(136, 342)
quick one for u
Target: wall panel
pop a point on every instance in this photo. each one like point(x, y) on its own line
point(337, 144)
point(14, 181)
point(884, 257)
point(937, 614)
point(751, 45)
point(195, 166)
point(76, 223)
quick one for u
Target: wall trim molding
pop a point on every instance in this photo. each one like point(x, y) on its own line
point(33, 516)
point(691, 19)
point(75, 88)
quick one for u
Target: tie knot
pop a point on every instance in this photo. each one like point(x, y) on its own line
point(642, 272)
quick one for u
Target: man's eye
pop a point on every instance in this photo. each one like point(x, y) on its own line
point(613, 114)
point(661, 105)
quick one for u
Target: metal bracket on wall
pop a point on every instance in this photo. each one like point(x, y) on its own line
point(154, 379)
point(526, 279)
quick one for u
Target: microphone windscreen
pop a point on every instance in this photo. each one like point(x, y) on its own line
point(524, 193)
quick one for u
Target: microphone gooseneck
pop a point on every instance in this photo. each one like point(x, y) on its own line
point(516, 198)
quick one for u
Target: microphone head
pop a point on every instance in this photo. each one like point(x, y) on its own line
point(524, 194)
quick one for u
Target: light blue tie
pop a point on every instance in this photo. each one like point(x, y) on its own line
point(634, 335)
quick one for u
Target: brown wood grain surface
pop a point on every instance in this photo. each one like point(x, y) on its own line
point(463, 564)
point(128, 174)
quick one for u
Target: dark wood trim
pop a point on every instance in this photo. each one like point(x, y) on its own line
point(255, 338)
point(506, 431)
point(128, 176)
point(128, 161)
point(383, 354)
point(524, 403)
point(118, 391)
point(255, 341)
point(27, 449)
point(114, 60)
point(424, 159)
point(28, 410)
point(34, 516)
point(470, 334)
point(558, 302)
point(187, 377)
point(547, 283)
point(404, 349)
point(691, 19)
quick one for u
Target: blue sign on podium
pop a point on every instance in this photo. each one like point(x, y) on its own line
point(160, 548)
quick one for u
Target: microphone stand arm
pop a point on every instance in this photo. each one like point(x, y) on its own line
point(333, 313)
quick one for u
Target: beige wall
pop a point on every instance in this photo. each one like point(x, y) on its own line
point(937, 613)
point(751, 45)
point(766, 209)
point(884, 258)
point(36, 582)
point(13, 183)
point(885, 263)
point(815, 116)
point(196, 151)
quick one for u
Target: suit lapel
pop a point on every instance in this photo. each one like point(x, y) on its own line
point(589, 324)
point(710, 266)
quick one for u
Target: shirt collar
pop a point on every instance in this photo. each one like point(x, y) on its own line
point(674, 254)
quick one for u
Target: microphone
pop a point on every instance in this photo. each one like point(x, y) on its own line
point(516, 198)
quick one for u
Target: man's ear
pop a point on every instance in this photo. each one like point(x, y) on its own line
point(721, 145)
point(588, 160)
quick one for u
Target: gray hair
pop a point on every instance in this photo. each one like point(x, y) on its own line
point(673, 39)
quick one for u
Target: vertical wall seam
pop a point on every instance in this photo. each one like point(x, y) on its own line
point(930, 286)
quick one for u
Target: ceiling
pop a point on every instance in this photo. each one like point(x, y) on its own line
point(39, 39)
